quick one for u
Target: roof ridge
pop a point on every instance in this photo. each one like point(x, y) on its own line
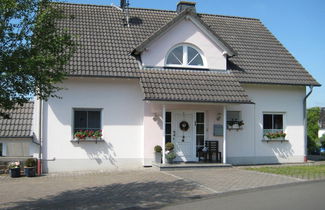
point(162, 10)
point(229, 16)
point(79, 4)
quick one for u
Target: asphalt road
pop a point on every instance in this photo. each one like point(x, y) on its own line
point(304, 196)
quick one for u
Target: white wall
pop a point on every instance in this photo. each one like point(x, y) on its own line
point(246, 146)
point(19, 147)
point(184, 32)
point(153, 130)
point(122, 123)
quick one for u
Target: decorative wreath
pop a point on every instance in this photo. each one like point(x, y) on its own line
point(184, 126)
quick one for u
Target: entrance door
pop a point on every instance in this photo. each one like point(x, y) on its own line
point(183, 136)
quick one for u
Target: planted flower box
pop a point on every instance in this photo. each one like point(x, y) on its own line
point(87, 136)
point(276, 136)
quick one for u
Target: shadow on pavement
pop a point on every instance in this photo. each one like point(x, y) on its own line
point(134, 195)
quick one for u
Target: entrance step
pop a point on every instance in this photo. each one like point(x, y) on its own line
point(182, 166)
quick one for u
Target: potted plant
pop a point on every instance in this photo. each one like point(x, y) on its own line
point(170, 155)
point(30, 167)
point(169, 146)
point(88, 134)
point(230, 124)
point(158, 150)
point(241, 123)
point(236, 124)
point(276, 136)
point(14, 169)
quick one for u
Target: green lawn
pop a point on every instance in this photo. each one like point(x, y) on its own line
point(303, 172)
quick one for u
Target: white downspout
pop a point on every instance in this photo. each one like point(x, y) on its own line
point(163, 132)
point(224, 135)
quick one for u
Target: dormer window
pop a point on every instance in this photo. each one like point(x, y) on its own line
point(185, 56)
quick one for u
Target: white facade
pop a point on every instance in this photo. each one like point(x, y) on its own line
point(122, 123)
point(132, 127)
point(246, 146)
point(185, 32)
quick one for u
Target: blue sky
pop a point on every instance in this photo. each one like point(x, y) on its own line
point(298, 24)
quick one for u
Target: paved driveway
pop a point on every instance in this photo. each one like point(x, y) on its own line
point(145, 188)
point(231, 179)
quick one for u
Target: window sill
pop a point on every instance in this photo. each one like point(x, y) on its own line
point(275, 140)
point(87, 140)
point(237, 129)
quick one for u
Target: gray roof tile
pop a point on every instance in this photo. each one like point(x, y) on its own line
point(106, 43)
point(191, 86)
point(20, 122)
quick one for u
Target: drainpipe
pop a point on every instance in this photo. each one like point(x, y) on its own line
point(305, 121)
point(39, 163)
point(163, 132)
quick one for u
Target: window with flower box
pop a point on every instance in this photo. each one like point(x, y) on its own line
point(273, 125)
point(87, 119)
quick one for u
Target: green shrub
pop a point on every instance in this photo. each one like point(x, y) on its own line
point(158, 148)
point(30, 162)
point(170, 156)
point(169, 146)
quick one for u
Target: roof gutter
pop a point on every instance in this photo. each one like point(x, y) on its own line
point(305, 120)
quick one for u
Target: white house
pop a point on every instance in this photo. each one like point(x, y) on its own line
point(17, 139)
point(145, 77)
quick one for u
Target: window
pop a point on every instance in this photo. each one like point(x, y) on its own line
point(184, 55)
point(233, 116)
point(3, 149)
point(168, 127)
point(272, 123)
point(199, 131)
point(87, 119)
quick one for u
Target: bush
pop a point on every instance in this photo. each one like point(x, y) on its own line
point(170, 156)
point(158, 148)
point(169, 146)
point(30, 162)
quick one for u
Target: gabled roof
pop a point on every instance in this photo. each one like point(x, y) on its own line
point(20, 123)
point(186, 14)
point(188, 85)
point(106, 43)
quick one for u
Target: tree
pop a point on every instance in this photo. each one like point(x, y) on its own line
point(313, 144)
point(33, 51)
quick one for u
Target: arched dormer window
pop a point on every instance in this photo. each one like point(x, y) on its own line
point(185, 56)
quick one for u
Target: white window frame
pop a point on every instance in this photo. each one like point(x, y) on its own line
point(86, 109)
point(239, 115)
point(274, 130)
point(185, 61)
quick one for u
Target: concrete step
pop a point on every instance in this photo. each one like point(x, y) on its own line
point(182, 166)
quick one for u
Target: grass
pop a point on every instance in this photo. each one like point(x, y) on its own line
point(310, 172)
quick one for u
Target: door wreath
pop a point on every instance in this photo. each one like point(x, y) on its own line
point(184, 126)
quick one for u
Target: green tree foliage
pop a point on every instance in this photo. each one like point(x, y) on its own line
point(33, 51)
point(313, 144)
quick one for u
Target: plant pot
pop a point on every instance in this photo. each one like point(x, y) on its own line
point(14, 172)
point(170, 161)
point(235, 126)
point(158, 157)
point(30, 171)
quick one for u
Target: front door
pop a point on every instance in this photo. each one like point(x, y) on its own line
point(183, 136)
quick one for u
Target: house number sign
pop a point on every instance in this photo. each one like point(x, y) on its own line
point(184, 126)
